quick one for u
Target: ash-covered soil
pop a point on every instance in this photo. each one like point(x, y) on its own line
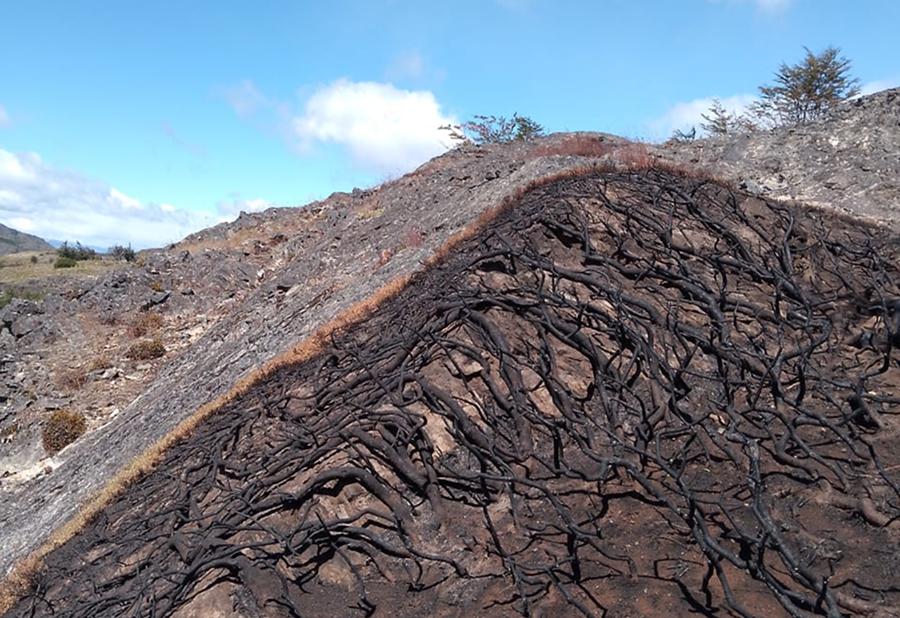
point(632, 394)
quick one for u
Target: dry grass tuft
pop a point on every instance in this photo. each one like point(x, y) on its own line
point(100, 361)
point(144, 324)
point(63, 428)
point(72, 379)
point(147, 349)
point(634, 156)
point(575, 146)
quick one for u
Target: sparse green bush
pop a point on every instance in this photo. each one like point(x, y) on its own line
point(7, 295)
point(147, 349)
point(65, 262)
point(76, 252)
point(122, 253)
point(63, 428)
point(496, 129)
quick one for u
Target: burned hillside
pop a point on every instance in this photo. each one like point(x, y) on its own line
point(631, 393)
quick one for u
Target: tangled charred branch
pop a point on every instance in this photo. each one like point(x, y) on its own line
point(633, 391)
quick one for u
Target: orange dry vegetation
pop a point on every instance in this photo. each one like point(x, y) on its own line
point(575, 146)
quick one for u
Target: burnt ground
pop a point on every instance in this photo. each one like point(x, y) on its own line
point(632, 394)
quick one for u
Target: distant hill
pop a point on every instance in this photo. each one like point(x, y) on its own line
point(14, 241)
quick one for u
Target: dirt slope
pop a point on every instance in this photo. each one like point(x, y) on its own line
point(632, 394)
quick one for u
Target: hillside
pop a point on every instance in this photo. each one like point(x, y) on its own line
point(628, 393)
point(849, 161)
point(14, 241)
point(573, 375)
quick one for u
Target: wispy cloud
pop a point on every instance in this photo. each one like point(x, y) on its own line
point(245, 98)
point(765, 6)
point(879, 84)
point(60, 204)
point(194, 149)
point(408, 65)
point(5, 120)
point(229, 209)
point(689, 114)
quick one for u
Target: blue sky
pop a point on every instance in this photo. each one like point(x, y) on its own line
point(142, 121)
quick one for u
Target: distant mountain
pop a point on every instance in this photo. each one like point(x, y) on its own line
point(14, 241)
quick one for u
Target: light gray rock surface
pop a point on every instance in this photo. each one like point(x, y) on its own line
point(850, 161)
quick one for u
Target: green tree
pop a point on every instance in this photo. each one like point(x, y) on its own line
point(806, 91)
point(496, 129)
point(718, 121)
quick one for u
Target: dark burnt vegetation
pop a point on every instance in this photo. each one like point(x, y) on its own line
point(635, 393)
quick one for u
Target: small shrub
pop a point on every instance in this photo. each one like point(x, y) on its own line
point(146, 350)
point(63, 428)
point(34, 259)
point(76, 252)
point(122, 253)
point(72, 379)
point(156, 286)
point(65, 262)
point(483, 129)
point(145, 323)
point(101, 361)
point(8, 432)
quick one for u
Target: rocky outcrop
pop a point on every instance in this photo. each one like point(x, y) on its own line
point(849, 161)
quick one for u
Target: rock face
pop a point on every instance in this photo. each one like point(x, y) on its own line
point(628, 394)
point(14, 241)
point(849, 161)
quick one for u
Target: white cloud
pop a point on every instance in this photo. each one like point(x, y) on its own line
point(683, 116)
point(229, 209)
point(245, 98)
point(63, 205)
point(5, 120)
point(385, 129)
point(409, 65)
point(878, 85)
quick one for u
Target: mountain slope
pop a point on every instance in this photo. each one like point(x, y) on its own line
point(630, 393)
point(14, 241)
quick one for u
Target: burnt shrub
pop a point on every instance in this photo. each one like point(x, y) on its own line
point(63, 428)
